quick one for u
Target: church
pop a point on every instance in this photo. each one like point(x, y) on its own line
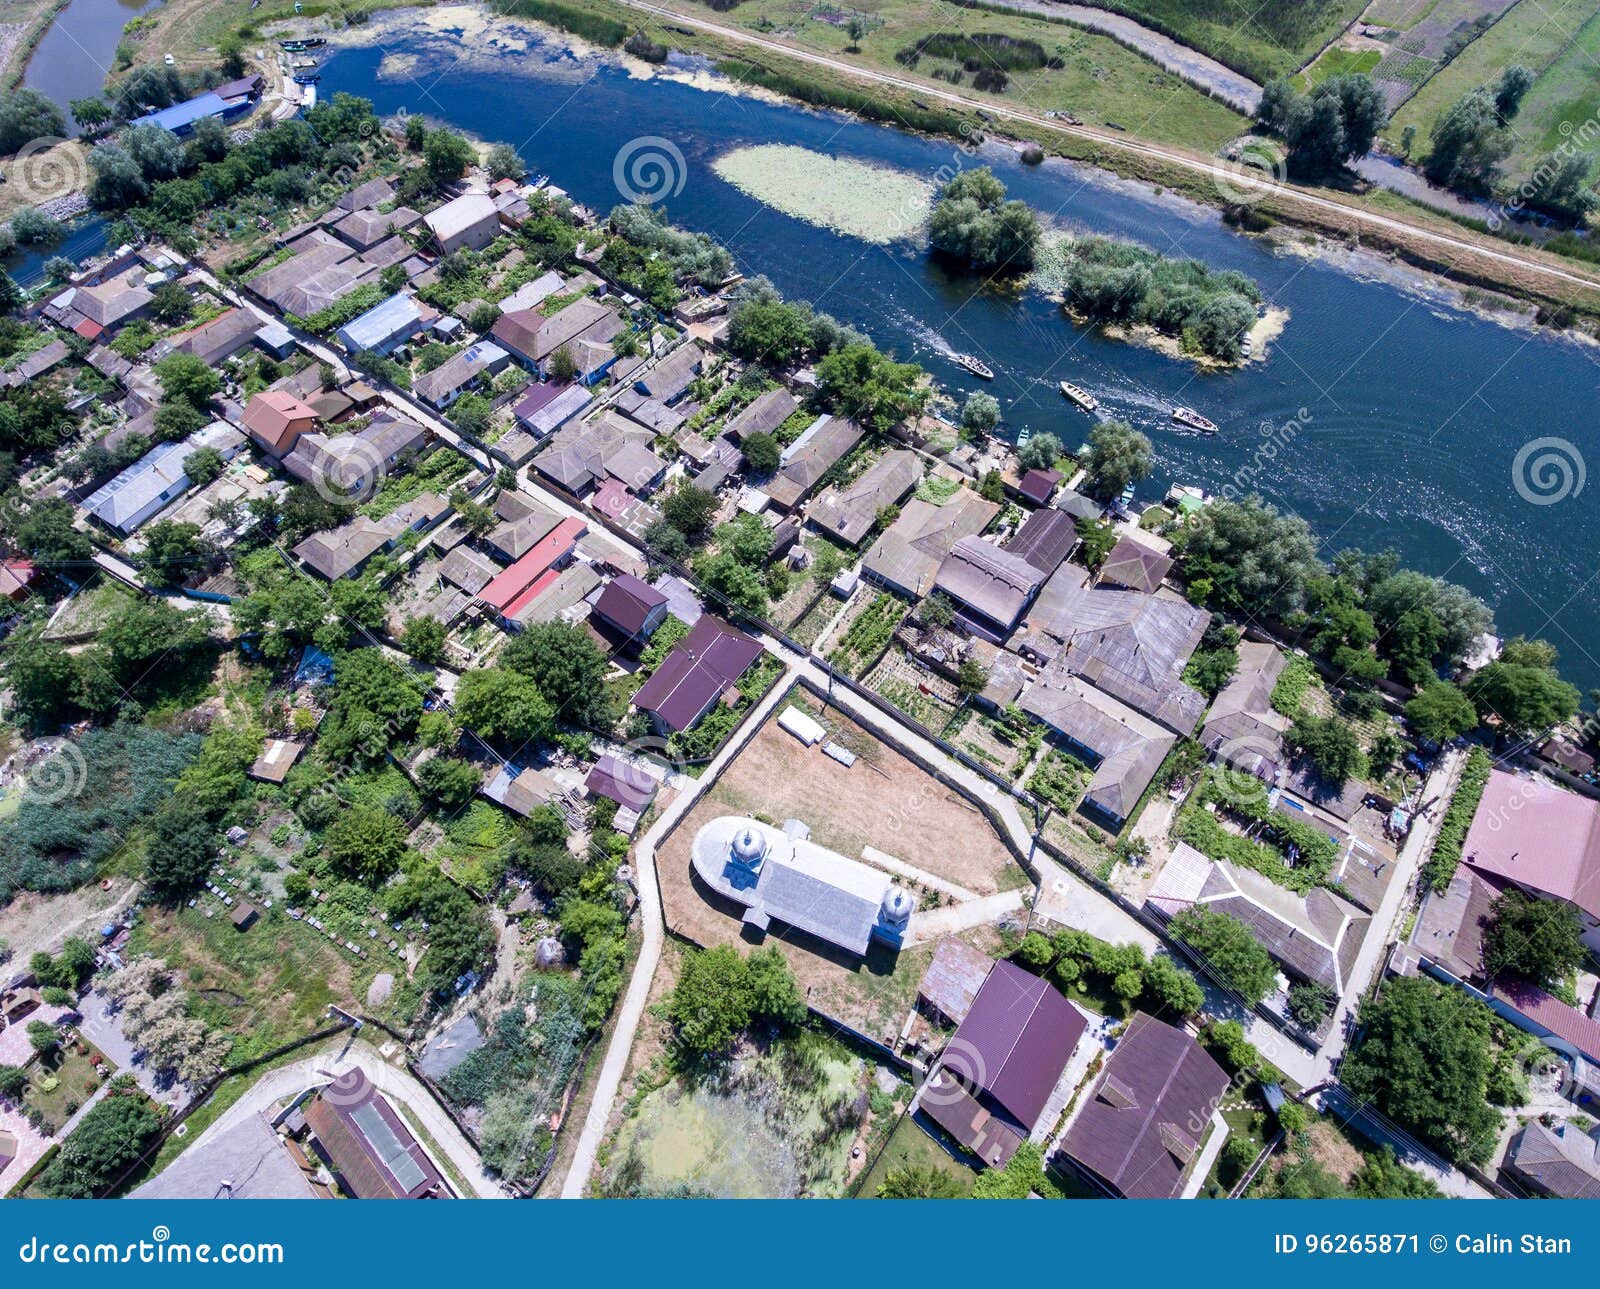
point(780, 875)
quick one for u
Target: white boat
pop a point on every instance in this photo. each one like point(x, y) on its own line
point(973, 365)
point(1079, 397)
point(1188, 416)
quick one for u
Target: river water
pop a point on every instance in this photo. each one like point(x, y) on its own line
point(75, 56)
point(1414, 411)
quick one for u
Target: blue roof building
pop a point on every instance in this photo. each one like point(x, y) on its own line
point(180, 117)
point(384, 327)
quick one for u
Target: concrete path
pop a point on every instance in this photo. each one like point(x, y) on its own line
point(935, 924)
point(879, 859)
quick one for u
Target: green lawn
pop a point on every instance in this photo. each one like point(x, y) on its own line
point(1099, 81)
point(1342, 62)
point(1545, 38)
point(910, 1145)
point(1568, 90)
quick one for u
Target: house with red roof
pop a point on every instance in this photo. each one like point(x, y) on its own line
point(515, 588)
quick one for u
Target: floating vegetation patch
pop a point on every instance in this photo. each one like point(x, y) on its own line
point(873, 203)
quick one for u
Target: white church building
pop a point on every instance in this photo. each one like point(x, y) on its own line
point(780, 875)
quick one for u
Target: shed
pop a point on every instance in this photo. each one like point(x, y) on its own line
point(804, 727)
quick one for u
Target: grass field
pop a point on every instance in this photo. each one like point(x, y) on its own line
point(1099, 81)
point(1262, 41)
point(1568, 90)
point(910, 1146)
point(1341, 62)
point(1558, 41)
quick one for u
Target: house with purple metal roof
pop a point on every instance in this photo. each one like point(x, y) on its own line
point(996, 1075)
point(699, 672)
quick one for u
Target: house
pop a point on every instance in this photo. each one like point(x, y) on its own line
point(629, 785)
point(848, 512)
point(1036, 486)
point(549, 405)
point(991, 587)
point(216, 341)
point(1045, 539)
point(670, 378)
point(781, 875)
point(1142, 1128)
point(532, 338)
point(276, 419)
point(1125, 747)
point(530, 295)
point(468, 222)
point(1315, 937)
point(523, 524)
point(700, 671)
point(996, 1076)
point(366, 1145)
point(764, 414)
point(631, 608)
point(821, 446)
point(1242, 729)
point(277, 758)
point(373, 193)
point(247, 1161)
point(101, 308)
point(1132, 645)
point(1079, 506)
point(355, 463)
point(1134, 566)
point(346, 550)
point(383, 328)
point(17, 575)
point(580, 456)
point(467, 570)
point(181, 118)
point(907, 555)
point(365, 228)
point(574, 586)
point(520, 790)
point(514, 588)
point(1562, 1161)
point(459, 373)
point(950, 984)
point(142, 490)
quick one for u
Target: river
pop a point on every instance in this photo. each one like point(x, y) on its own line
point(1415, 410)
point(74, 58)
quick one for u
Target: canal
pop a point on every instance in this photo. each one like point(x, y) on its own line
point(74, 58)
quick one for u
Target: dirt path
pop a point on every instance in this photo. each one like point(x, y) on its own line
point(34, 922)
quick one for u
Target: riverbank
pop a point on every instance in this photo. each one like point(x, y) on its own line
point(19, 39)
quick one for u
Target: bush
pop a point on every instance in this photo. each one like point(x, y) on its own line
point(1446, 854)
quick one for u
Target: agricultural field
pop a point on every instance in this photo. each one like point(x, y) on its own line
point(1557, 42)
point(1273, 40)
point(1082, 73)
point(1417, 40)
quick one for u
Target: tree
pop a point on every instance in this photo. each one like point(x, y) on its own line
point(719, 994)
point(561, 365)
point(1118, 455)
point(973, 221)
point(172, 551)
point(155, 150)
point(1040, 452)
point(449, 781)
point(1424, 1061)
point(1538, 940)
point(1170, 988)
point(1310, 1002)
point(1277, 97)
point(761, 452)
point(737, 582)
point(1514, 83)
point(1330, 745)
point(116, 182)
point(445, 154)
point(180, 849)
point(1231, 951)
point(90, 113)
point(30, 226)
point(1468, 143)
point(689, 509)
point(42, 1038)
point(980, 414)
point(499, 703)
point(1440, 713)
point(1382, 1176)
point(504, 162)
point(871, 388)
point(26, 115)
point(919, 1181)
point(111, 1138)
point(1526, 699)
point(1460, 616)
point(366, 844)
point(569, 669)
point(424, 638)
point(203, 465)
point(171, 303)
point(13, 1083)
point(1258, 561)
point(992, 487)
point(765, 329)
point(1562, 186)
point(230, 55)
point(1210, 670)
point(186, 378)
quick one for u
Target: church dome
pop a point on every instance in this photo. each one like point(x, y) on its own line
point(749, 846)
point(897, 904)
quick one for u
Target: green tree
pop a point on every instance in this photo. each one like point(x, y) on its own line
point(1468, 143)
point(424, 638)
point(980, 414)
point(1330, 745)
point(561, 366)
point(1118, 455)
point(449, 781)
point(973, 221)
point(762, 454)
point(171, 303)
point(1424, 1061)
point(42, 1038)
point(1170, 988)
point(1310, 1002)
point(1440, 713)
point(1515, 82)
point(1525, 699)
point(172, 551)
point(180, 849)
point(689, 510)
point(1040, 452)
point(113, 1135)
point(569, 669)
point(504, 162)
point(869, 387)
point(1257, 560)
point(919, 1181)
point(365, 844)
point(719, 994)
point(13, 1083)
point(1563, 187)
point(186, 378)
point(445, 155)
point(1232, 952)
point(499, 703)
point(26, 115)
point(203, 465)
point(1538, 940)
point(90, 113)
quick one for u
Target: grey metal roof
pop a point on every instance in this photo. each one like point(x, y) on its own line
point(907, 555)
point(1134, 565)
point(848, 512)
point(991, 581)
point(1564, 1162)
point(812, 456)
point(247, 1161)
point(766, 412)
point(1045, 539)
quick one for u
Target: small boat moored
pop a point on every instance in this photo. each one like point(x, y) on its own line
point(973, 365)
point(1080, 398)
point(1188, 416)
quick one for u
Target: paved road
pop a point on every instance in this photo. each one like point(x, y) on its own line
point(1233, 88)
point(1241, 181)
